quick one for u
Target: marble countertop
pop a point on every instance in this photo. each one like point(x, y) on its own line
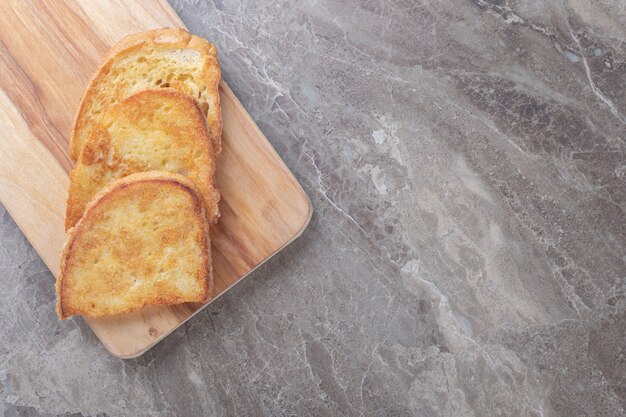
point(467, 164)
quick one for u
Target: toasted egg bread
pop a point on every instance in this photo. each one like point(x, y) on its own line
point(143, 240)
point(161, 130)
point(152, 59)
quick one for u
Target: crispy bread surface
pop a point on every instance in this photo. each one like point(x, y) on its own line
point(152, 59)
point(161, 129)
point(143, 240)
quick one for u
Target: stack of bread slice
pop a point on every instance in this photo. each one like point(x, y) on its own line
point(142, 192)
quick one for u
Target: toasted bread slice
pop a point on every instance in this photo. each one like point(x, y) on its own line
point(156, 58)
point(161, 130)
point(143, 240)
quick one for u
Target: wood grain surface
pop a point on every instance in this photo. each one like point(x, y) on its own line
point(48, 52)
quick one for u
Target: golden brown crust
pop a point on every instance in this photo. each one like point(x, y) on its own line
point(157, 38)
point(181, 127)
point(91, 217)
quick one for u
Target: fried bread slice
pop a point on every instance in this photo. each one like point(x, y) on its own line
point(161, 129)
point(152, 59)
point(143, 240)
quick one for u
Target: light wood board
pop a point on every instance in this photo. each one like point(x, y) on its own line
point(48, 52)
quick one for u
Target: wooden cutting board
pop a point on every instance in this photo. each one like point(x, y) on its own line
point(48, 52)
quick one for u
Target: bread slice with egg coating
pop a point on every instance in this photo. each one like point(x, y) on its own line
point(152, 59)
point(160, 129)
point(143, 240)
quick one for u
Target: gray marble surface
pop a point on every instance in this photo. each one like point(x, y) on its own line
point(467, 165)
